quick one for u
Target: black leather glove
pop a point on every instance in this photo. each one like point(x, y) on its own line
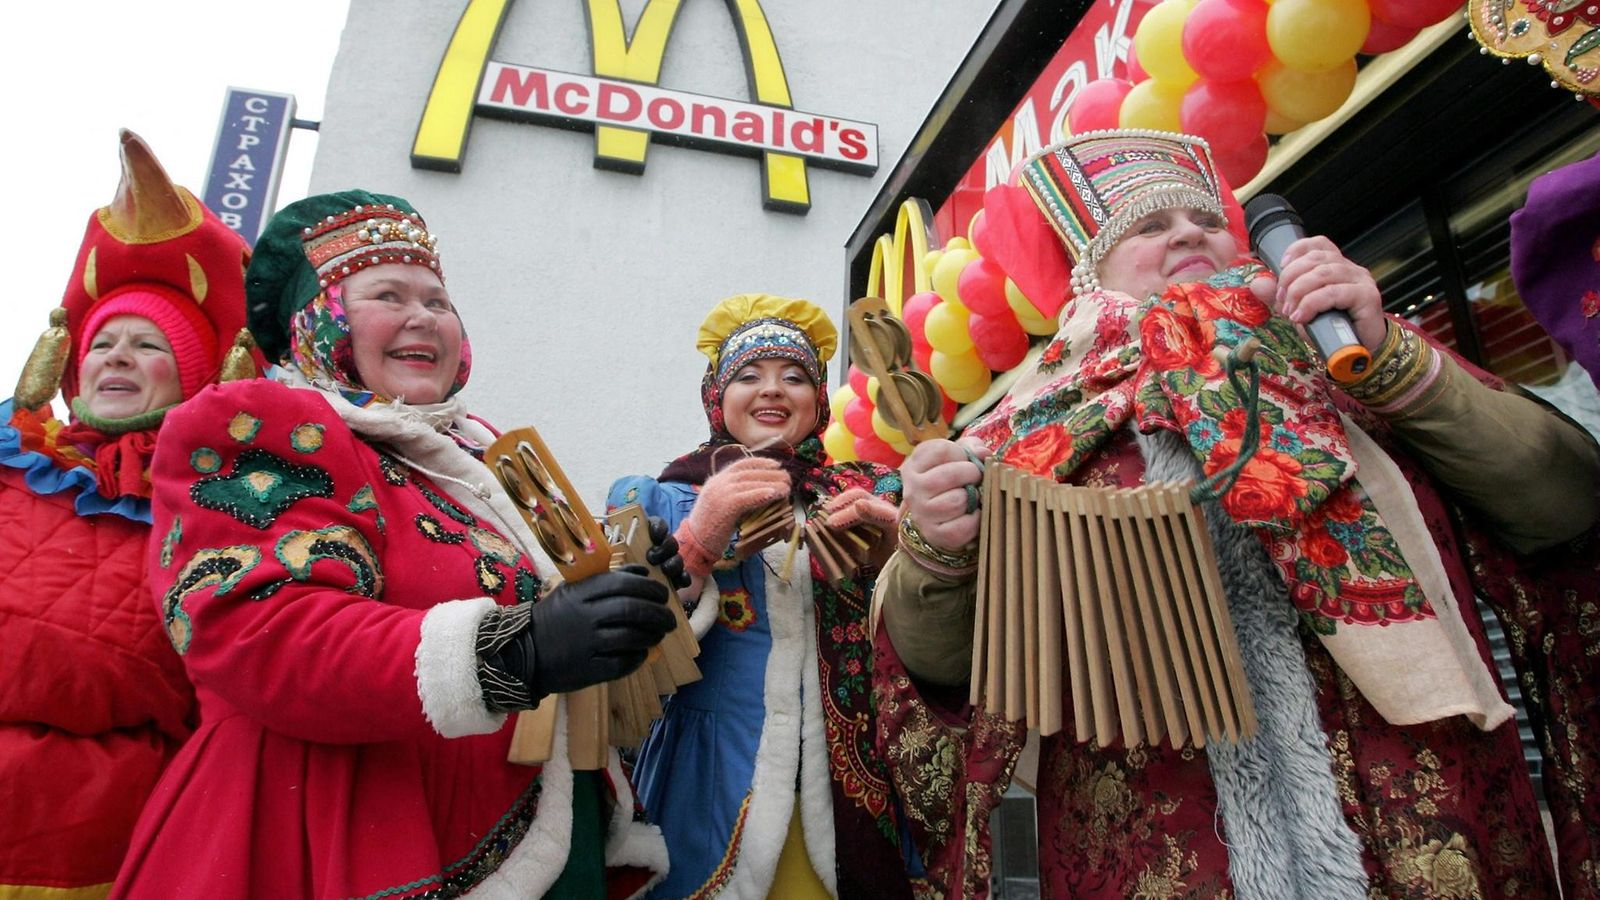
point(663, 553)
point(598, 629)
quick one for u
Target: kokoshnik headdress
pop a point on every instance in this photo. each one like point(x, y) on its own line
point(1094, 186)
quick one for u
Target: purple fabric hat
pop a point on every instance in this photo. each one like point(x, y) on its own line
point(1555, 258)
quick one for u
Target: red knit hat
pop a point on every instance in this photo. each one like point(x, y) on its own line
point(193, 340)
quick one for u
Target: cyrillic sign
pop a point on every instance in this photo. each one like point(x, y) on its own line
point(247, 160)
point(622, 103)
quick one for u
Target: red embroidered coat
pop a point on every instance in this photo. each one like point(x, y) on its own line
point(325, 601)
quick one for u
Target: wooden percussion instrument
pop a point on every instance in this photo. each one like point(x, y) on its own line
point(616, 713)
point(1114, 592)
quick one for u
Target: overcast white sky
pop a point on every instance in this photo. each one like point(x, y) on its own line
point(72, 73)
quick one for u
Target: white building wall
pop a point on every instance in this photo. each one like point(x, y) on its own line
point(582, 289)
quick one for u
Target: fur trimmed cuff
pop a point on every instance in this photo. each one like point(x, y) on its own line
point(447, 669)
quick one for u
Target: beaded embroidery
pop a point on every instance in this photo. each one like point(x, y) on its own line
point(260, 487)
point(221, 567)
point(300, 550)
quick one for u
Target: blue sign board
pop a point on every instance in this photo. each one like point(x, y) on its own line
point(247, 162)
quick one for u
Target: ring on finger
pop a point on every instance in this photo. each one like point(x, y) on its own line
point(973, 499)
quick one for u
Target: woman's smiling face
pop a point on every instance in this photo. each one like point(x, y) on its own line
point(1169, 246)
point(404, 332)
point(770, 398)
point(129, 369)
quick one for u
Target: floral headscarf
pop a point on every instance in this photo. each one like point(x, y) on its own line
point(320, 347)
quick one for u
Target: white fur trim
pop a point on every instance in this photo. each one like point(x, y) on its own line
point(630, 843)
point(705, 612)
point(447, 669)
point(772, 792)
point(539, 858)
point(816, 788)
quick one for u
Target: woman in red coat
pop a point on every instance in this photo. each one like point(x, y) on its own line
point(93, 701)
point(353, 596)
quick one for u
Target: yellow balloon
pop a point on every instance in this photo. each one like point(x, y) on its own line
point(840, 399)
point(1315, 35)
point(882, 428)
point(929, 260)
point(1038, 327)
point(1304, 96)
point(1277, 124)
point(972, 391)
point(1158, 42)
point(1020, 305)
point(955, 371)
point(903, 448)
point(948, 272)
point(946, 329)
point(1152, 104)
point(839, 442)
point(958, 243)
point(872, 391)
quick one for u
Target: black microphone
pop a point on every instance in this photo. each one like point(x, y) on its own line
point(1274, 225)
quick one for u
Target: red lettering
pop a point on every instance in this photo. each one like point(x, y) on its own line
point(566, 91)
point(777, 128)
point(665, 113)
point(629, 97)
point(749, 127)
point(700, 113)
point(852, 144)
point(522, 88)
point(807, 136)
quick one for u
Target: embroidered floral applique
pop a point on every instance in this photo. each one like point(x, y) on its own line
point(434, 530)
point(394, 471)
point(243, 427)
point(205, 460)
point(1591, 304)
point(300, 550)
point(737, 612)
point(306, 438)
point(445, 506)
point(490, 578)
point(221, 567)
point(260, 487)
point(170, 542)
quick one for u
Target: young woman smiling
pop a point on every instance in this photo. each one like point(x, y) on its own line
point(762, 775)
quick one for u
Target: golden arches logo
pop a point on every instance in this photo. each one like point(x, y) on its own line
point(626, 108)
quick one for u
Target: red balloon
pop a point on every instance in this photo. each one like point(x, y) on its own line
point(1136, 72)
point(982, 288)
point(915, 313)
point(1383, 37)
point(922, 355)
point(1242, 165)
point(858, 416)
point(1228, 114)
point(1000, 341)
point(1226, 40)
point(1412, 13)
point(1097, 104)
point(858, 381)
point(872, 448)
point(949, 411)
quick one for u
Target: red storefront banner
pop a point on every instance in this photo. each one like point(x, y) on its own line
point(1098, 47)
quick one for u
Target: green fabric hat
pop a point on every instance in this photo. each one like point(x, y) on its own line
point(313, 243)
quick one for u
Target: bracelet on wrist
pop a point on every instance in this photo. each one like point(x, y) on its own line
point(925, 554)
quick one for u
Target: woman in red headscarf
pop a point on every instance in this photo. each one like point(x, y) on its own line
point(93, 700)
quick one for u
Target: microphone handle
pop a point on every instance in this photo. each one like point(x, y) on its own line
point(1333, 335)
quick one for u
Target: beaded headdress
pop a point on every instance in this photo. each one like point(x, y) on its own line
point(749, 327)
point(1094, 186)
point(314, 243)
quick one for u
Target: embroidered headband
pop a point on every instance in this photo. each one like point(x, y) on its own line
point(1094, 186)
point(748, 327)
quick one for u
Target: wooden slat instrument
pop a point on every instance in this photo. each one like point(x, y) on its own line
point(1115, 592)
point(616, 713)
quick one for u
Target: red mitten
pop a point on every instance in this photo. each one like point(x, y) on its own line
point(859, 506)
point(725, 498)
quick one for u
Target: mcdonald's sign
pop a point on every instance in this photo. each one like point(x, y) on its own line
point(626, 108)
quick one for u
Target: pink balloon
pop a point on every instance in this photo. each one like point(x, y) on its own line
point(1242, 165)
point(1228, 114)
point(915, 314)
point(922, 355)
point(950, 408)
point(1412, 13)
point(872, 448)
point(1226, 40)
point(982, 288)
point(858, 416)
point(857, 379)
point(1000, 341)
point(1384, 36)
point(1136, 72)
point(1096, 105)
